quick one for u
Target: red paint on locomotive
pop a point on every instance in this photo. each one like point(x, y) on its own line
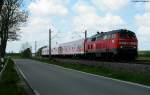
point(113, 43)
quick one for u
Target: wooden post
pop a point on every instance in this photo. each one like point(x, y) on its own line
point(85, 41)
point(50, 43)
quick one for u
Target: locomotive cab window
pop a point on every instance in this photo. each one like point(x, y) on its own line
point(124, 35)
point(108, 36)
point(105, 37)
point(131, 35)
point(93, 39)
point(99, 37)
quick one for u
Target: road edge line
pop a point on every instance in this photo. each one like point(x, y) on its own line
point(26, 80)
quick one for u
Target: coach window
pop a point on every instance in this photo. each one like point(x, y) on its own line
point(91, 46)
point(88, 46)
point(99, 37)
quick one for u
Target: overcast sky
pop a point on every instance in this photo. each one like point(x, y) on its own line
point(69, 18)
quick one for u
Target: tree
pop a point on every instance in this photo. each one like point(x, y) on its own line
point(39, 52)
point(11, 18)
point(26, 53)
point(25, 45)
point(1, 3)
point(26, 50)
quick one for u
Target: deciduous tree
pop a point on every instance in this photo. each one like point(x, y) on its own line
point(11, 19)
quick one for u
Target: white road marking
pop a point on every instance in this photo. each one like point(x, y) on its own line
point(21, 72)
point(35, 91)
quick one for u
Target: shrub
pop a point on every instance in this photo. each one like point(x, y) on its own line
point(26, 53)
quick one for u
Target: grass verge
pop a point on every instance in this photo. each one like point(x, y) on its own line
point(146, 59)
point(14, 55)
point(9, 82)
point(107, 72)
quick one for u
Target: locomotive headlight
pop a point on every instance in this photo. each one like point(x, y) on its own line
point(121, 46)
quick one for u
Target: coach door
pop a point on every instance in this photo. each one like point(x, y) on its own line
point(60, 50)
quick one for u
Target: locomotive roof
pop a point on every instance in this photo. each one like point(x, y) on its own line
point(119, 30)
point(112, 32)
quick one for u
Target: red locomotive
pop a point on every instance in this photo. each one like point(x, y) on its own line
point(115, 44)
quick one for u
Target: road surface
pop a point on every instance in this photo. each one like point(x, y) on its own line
point(48, 79)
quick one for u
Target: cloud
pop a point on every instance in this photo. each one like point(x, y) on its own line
point(143, 31)
point(143, 20)
point(41, 19)
point(143, 34)
point(75, 18)
point(47, 7)
point(82, 8)
point(147, 6)
point(39, 22)
point(110, 5)
point(88, 18)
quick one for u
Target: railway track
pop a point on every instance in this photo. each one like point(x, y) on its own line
point(136, 66)
point(95, 62)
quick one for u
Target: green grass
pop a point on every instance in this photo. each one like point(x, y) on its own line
point(119, 74)
point(144, 53)
point(14, 55)
point(144, 56)
point(147, 59)
point(9, 81)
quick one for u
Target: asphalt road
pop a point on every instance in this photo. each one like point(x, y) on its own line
point(48, 79)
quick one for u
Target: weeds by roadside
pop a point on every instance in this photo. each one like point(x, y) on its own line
point(9, 81)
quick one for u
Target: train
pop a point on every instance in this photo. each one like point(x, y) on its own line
point(117, 44)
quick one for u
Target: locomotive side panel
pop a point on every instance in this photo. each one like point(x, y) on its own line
point(112, 44)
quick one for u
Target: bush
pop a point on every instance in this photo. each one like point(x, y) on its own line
point(26, 53)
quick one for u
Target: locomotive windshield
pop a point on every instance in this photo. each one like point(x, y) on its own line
point(127, 34)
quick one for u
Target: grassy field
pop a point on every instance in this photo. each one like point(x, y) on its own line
point(14, 55)
point(144, 55)
point(122, 75)
point(144, 59)
point(10, 80)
